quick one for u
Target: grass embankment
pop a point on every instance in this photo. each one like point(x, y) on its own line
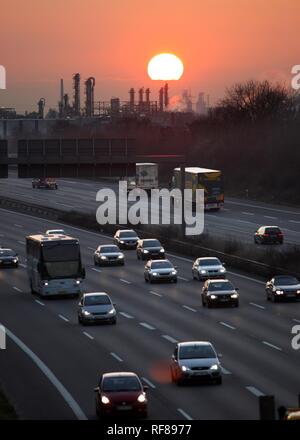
point(7, 412)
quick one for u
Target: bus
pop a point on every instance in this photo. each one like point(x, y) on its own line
point(203, 178)
point(54, 265)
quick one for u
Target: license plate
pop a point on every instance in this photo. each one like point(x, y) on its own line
point(124, 407)
point(291, 295)
point(212, 206)
point(224, 299)
point(62, 292)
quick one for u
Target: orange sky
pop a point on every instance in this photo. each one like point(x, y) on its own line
point(219, 41)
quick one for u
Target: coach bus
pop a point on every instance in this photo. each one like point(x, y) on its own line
point(54, 265)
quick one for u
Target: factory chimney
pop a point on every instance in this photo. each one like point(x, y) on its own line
point(141, 95)
point(166, 95)
point(89, 95)
point(76, 102)
point(41, 108)
point(161, 99)
point(61, 101)
point(131, 99)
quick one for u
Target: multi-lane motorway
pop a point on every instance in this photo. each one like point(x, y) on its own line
point(51, 364)
point(238, 220)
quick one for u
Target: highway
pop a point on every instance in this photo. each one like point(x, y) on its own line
point(238, 220)
point(52, 364)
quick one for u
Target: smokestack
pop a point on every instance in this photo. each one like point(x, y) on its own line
point(161, 99)
point(166, 90)
point(131, 99)
point(41, 107)
point(89, 93)
point(141, 95)
point(76, 102)
point(147, 92)
point(61, 101)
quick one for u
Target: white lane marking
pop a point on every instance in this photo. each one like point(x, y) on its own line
point(294, 221)
point(189, 308)
point(88, 335)
point(18, 226)
point(271, 217)
point(243, 221)
point(17, 289)
point(125, 281)
point(22, 265)
point(225, 371)
point(261, 207)
point(1, 235)
point(148, 326)
point(155, 293)
point(296, 320)
point(126, 315)
point(255, 391)
point(116, 356)
point(39, 302)
point(227, 325)
point(21, 242)
point(148, 382)
point(63, 318)
point(64, 204)
point(245, 277)
point(51, 377)
point(225, 209)
point(247, 213)
point(257, 305)
point(183, 279)
point(96, 270)
point(271, 345)
point(91, 249)
point(184, 414)
point(169, 338)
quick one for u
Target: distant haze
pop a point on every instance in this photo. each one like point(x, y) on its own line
point(219, 41)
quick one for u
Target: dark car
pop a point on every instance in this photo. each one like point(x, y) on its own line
point(108, 255)
point(282, 287)
point(121, 393)
point(126, 238)
point(219, 292)
point(8, 257)
point(149, 249)
point(268, 235)
point(160, 270)
point(45, 183)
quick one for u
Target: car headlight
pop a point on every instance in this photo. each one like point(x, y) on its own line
point(184, 368)
point(155, 274)
point(103, 257)
point(202, 271)
point(298, 291)
point(77, 281)
point(174, 272)
point(46, 283)
point(234, 295)
point(162, 250)
point(213, 296)
point(145, 251)
point(222, 270)
point(214, 367)
point(120, 257)
point(122, 241)
point(15, 260)
point(111, 312)
point(279, 292)
point(142, 398)
point(86, 313)
point(105, 400)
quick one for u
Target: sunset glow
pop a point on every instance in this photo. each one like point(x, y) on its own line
point(165, 66)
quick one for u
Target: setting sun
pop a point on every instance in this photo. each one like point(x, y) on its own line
point(165, 66)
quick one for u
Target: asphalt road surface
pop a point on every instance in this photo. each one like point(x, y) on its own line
point(51, 364)
point(238, 220)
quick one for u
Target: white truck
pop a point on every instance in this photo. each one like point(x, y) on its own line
point(146, 177)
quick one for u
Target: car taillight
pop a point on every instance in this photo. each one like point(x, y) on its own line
point(266, 235)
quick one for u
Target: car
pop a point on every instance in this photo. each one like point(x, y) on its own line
point(196, 360)
point(8, 257)
point(208, 267)
point(126, 238)
point(55, 232)
point(121, 393)
point(282, 287)
point(216, 292)
point(108, 255)
point(160, 270)
point(268, 235)
point(95, 308)
point(44, 182)
point(149, 248)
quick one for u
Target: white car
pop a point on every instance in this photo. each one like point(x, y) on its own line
point(55, 232)
point(208, 267)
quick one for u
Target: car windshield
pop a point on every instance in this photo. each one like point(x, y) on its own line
point(151, 243)
point(220, 286)
point(7, 253)
point(162, 265)
point(288, 281)
point(121, 384)
point(210, 262)
point(128, 234)
point(56, 231)
point(196, 352)
point(107, 249)
point(272, 230)
point(57, 251)
point(96, 300)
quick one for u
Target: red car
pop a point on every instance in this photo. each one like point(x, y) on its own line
point(47, 183)
point(121, 393)
point(268, 235)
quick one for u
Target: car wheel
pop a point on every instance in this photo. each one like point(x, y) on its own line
point(267, 296)
point(175, 280)
point(144, 415)
point(150, 280)
point(137, 256)
point(79, 320)
point(236, 304)
point(219, 381)
point(31, 289)
point(274, 299)
point(113, 321)
point(95, 262)
point(209, 305)
point(17, 265)
point(146, 280)
point(179, 381)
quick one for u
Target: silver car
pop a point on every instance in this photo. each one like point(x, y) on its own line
point(96, 308)
point(208, 267)
point(195, 360)
point(160, 270)
point(108, 255)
